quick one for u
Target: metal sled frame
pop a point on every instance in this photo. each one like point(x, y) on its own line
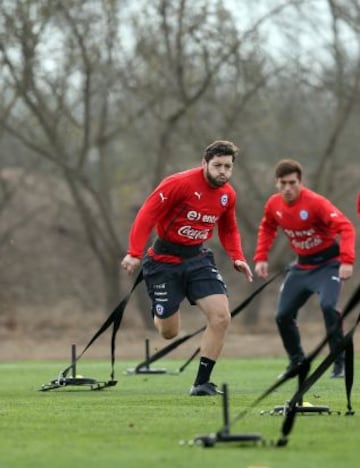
point(301, 408)
point(224, 435)
point(77, 381)
point(62, 382)
point(146, 369)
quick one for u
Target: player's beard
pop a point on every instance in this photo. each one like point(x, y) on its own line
point(215, 181)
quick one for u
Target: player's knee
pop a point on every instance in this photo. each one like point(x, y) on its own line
point(168, 334)
point(283, 318)
point(278, 319)
point(328, 307)
point(168, 328)
point(220, 321)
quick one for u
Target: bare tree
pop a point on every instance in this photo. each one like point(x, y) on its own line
point(114, 95)
point(343, 83)
point(63, 110)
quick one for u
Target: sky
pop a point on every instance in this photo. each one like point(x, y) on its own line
point(287, 33)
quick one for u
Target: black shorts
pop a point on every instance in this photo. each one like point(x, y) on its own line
point(168, 284)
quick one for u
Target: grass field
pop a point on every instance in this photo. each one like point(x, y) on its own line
point(143, 419)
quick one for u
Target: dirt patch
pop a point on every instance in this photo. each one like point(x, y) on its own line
point(131, 345)
point(35, 335)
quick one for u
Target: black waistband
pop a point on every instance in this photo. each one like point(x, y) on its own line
point(165, 247)
point(320, 257)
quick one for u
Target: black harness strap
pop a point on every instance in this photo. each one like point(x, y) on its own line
point(190, 359)
point(165, 247)
point(170, 347)
point(320, 257)
point(347, 345)
point(115, 319)
point(349, 371)
point(303, 368)
point(167, 349)
point(288, 423)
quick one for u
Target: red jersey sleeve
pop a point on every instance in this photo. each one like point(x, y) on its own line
point(340, 226)
point(229, 234)
point(267, 233)
point(158, 205)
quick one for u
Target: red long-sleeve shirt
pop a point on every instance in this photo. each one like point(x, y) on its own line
point(185, 209)
point(311, 224)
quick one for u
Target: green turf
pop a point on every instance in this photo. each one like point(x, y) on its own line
point(141, 421)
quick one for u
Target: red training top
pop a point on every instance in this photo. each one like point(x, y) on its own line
point(184, 209)
point(311, 224)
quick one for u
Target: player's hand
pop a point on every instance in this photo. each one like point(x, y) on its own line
point(261, 269)
point(243, 267)
point(345, 271)
point(130, 263)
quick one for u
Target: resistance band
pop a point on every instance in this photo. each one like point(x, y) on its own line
point(114, 319)
point(347, 345)
point(175, 344)
point(303, 368)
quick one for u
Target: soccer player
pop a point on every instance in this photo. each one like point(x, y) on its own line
point(184, 209)
point(323, 239)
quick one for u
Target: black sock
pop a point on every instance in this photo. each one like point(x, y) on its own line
point(205, 368)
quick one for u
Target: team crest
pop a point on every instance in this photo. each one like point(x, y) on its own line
point(224, 200)
point(304, 215)
point(159, 309)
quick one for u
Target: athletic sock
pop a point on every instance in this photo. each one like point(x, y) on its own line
point(205, 368)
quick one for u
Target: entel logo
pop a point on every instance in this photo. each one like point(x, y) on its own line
point(193, 216)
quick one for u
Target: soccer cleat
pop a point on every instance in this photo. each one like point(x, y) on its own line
point(338, 371)
point(205, 389)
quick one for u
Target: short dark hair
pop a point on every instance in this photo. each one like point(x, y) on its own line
point(286, 167)
point(220, 148)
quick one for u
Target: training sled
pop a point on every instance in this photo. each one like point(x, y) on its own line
point(224, 435)
point(76, 380)
point(302, 408)
point(146, 369)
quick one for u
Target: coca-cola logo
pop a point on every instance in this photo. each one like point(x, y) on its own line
point(190, 233)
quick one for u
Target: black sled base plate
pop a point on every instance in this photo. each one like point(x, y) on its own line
point(91, 383)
